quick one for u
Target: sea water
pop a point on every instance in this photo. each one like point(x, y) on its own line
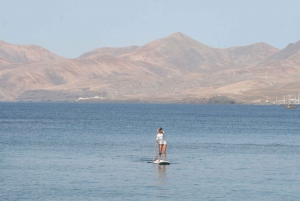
point(70, 151)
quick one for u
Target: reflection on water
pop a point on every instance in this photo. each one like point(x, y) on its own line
point(160, 172)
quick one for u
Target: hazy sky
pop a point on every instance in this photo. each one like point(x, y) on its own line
point(70, 28)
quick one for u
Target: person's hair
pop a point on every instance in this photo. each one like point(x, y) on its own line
point(160, 130)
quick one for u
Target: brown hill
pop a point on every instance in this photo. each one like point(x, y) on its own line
point(108, 51)
point(289, 57)
point(280, 72)
point(186, 55)
point(4, 61)
point(172, 69)
point(177, 50)
point(74, 77)
point(291, 50)
point(250, 55)
point(23, 53)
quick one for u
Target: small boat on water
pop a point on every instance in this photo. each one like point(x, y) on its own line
point(290, 106)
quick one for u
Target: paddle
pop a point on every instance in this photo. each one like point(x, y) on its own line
point(154, 155)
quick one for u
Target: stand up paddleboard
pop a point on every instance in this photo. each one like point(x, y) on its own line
point(161, 162)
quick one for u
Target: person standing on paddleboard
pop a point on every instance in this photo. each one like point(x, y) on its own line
point(160, 139)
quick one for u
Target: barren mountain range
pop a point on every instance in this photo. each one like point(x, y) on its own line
point(176, 68)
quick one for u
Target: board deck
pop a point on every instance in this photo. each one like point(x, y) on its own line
point(161, 162)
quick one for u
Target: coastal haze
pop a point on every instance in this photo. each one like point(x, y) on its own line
point(176, 68)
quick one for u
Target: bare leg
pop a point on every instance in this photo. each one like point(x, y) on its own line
point(165, 151)
point(160, 151)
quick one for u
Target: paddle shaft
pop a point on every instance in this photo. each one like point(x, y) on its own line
point(154, 155)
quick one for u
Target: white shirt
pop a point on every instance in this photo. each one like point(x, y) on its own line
point(160, 137)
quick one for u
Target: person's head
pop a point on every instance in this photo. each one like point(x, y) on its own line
point(160, 130)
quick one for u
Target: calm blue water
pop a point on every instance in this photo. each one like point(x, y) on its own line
point(68, 151)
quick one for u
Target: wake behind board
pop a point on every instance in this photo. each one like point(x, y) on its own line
point(161, 162)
